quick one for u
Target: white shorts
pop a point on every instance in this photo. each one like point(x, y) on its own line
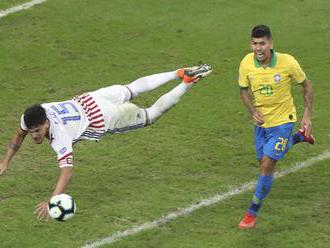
point(120, 115)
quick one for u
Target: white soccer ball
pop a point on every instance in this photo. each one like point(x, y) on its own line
point(61, 207)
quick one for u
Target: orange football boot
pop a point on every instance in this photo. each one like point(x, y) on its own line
point(248, 222)
point(194, 74)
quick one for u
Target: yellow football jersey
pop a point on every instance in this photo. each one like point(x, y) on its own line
point(271, 86)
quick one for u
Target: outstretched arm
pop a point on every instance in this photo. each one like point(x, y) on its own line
point(62, 183)
point(13, 147)
point(308, 99)
point(257, 117)
point(63, 180)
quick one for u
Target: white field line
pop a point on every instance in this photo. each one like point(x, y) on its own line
point(203, 203)
point(23, 6)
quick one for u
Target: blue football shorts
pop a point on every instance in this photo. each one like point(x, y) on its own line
point(273, 142)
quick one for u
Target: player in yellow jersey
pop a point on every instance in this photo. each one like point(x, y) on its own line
point(265, 79)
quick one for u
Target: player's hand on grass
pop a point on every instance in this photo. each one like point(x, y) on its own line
point(258, 118)
point(42, 211)
point(3, 167)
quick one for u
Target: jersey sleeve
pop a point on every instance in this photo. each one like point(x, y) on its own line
point(62, 145)
point(297, 74)
point(23, 125)
point(243, 79)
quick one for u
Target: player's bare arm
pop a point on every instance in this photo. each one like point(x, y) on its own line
point(308, 99)
point(247, 100)
point(13, 147)
point(63, 180)
point(62, 183)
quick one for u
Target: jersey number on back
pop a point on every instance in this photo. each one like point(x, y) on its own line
point(69, 110)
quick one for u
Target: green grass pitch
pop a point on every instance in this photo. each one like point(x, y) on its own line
point(203, 146)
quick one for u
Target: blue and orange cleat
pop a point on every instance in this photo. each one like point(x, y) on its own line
point(194, 74)
point(248, 222)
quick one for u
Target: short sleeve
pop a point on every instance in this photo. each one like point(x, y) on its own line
point(297, 74)
point(243, 79)
point(23, 125)
point(66, 162)
point(62, 145)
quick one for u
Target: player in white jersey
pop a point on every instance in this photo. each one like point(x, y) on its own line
point(92, 114)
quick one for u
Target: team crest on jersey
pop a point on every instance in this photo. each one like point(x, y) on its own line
point(63, 150)
point(277, 78)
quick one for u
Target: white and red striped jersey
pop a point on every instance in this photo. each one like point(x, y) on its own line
point(71, 121)
point(95, 116)
point(90, 116)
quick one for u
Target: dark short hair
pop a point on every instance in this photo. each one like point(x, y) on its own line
point(260, 31)
point(35, 116)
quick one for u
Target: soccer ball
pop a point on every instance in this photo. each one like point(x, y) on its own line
point(61, 207)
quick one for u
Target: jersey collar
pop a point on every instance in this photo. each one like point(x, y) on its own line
point(272, 62)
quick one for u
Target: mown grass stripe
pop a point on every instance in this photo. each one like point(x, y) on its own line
point(203, 203)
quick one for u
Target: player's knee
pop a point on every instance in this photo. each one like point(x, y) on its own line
point(132, 92)
point(153, 114)
point(267, 165)
point(128, 92)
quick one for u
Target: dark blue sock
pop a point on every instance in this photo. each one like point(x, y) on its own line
point(263, 187)
point(296, 138)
